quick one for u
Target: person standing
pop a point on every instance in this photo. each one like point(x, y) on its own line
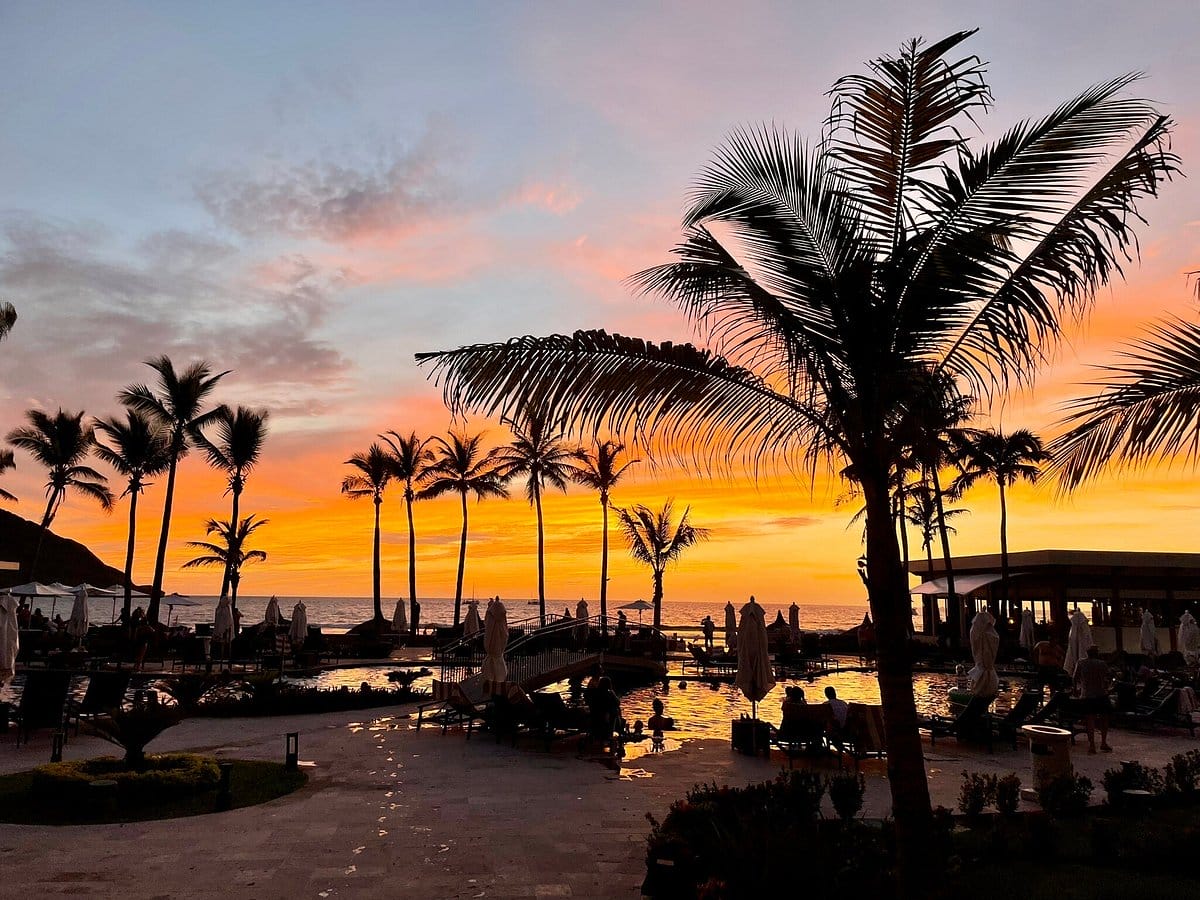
point(1092, 681)
point(709, 627)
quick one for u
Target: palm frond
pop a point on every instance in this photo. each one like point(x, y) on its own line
point(1147, 406)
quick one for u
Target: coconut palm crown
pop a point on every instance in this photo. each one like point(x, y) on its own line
point(827, 280)
point(655, 541)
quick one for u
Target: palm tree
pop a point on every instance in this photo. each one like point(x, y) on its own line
point(1147, 406)
point(374, 471)
point(176, 405)
point(836, 275)
point(1005, 459)
point(601, 471)
point(928, 512)
point(461, 466)
point(8, 318)
point(228, 551)
point(61, 443)
point(138, 450)
point(240, 435)
point(537, 451)
point(7, 461)
point(654, 541)
point(410, 463)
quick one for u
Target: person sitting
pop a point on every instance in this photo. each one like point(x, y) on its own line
point(838, 709)
point(59, 624)
point(23, 616)
point(37, 621)
point(793, 698)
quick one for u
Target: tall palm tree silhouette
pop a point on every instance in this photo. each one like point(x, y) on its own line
point(239, 435)
point(137, 449)
point(537, 452)
point(656, 542)
point(411, 459)
point(176, 404)
point(61, 443)
point(834, 276)
point(461, 466)
point(1005, 459)
point(600, 471)
point(374, 471)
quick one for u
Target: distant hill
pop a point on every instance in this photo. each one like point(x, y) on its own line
point(62, 559)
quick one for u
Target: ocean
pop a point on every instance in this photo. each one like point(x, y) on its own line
point(339, 613)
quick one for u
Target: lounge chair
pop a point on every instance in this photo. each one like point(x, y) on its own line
point(105, 691)
point(706, 661)
point(972, 724)
point(863, 734)
point(512, 712)
point(43, 701)
point(1062, 712)
point(456, 708)
point(1161, 709)
point(556, 719)
point(1009, 725)
point(804, 729)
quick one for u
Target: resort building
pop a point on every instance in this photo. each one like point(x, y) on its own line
point(1111, 587)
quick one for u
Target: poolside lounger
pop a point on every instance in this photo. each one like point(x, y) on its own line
point(972, 724)
point(42, 702)
point(105, 691)
point(863, 734)
point(805, 729)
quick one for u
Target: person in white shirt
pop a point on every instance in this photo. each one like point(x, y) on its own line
point(837, 708)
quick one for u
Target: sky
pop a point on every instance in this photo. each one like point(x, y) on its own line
point(307, 194)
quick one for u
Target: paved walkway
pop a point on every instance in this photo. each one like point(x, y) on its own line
point(392, 812)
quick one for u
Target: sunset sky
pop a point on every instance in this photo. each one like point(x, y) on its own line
point(309, 193)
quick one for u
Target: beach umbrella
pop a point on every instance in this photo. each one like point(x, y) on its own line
point(175, 599)
point(272, 616)
point(1149, 634)
point(640, 605)
point(1189, 638)
point(118, 590)
point(37, 589)
point(730, 627)
point(581, 619)
point(298, 631)
point(400, 617)
point(77, 625)
point(985, 643)
point(794, 622)
point(10, 641)
point(1026, 637)
point(471, 624)
point(1079, 638)
point(755, 677)
point(222, 631)
point(495, 639)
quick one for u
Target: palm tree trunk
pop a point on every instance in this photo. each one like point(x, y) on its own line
point(47, 518)
point(462, 564)
point(1003, 603)
point(953, 617)
point(905, 760)
point(233, 551)
point(127, 606)
point(604, 568)
point(375, 576)
point(412, 564)
point(537, 502)
point(160, 560)
point(658, 595)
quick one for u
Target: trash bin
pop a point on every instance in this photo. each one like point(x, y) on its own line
point(1049, 753)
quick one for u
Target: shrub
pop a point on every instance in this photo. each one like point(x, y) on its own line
point(804, 790)
point(846, 792)
point(132, 729)
point(976, 794)
point(284, 699)
point(1182, 774)
point(162, 777)
point(1066, 795)
point(1131, 776)
point(1008, 794)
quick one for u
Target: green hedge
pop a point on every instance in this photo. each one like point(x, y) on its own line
point(166, 776)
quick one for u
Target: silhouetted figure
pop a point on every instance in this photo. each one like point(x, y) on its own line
point(709, 627)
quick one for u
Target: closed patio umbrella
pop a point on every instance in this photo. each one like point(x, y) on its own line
point(471, 623)
point(222, 631)
point(1189, 638)
point(794, 622)
point(1149, 634)
point(298, 631)
point(272, 616)
point(730, 627)
point(77, 625)
point(400, 617)
point(1078, 640)
point(495, 639)
point(10, 641)
point(985, 643)
point(755, 678)
point(581, 620)
point(1026, 637)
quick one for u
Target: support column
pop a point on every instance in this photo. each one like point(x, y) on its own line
point(1118, 613)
